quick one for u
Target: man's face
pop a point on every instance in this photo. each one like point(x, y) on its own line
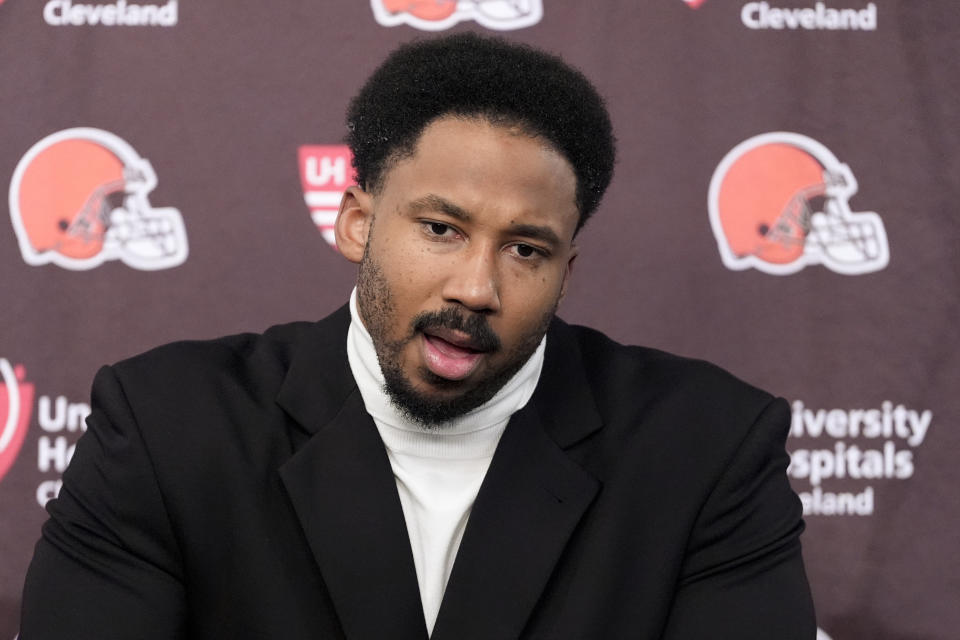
point(469, 245)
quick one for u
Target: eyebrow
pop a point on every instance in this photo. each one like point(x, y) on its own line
point(536, 232)
point(433, 202)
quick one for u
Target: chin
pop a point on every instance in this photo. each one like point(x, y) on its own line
point(436, 400)
point(446, 387)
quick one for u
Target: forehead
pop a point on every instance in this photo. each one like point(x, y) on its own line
point(487, 169)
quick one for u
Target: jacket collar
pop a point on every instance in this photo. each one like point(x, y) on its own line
point(318, 381)
point(345, 497)
point(564, 398)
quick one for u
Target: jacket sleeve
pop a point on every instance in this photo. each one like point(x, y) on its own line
point(107, 564)
point(743, 575)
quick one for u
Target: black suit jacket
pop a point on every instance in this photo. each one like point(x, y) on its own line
point(237, 488)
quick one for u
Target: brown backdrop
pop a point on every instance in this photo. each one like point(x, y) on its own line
point(228, 100)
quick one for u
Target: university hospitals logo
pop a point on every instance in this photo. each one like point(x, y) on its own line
point(16, 401)
point(79, 198)
point(780, 201)
point(60, 423)
point(842, 459)
point(325, 173)
point(437, 15)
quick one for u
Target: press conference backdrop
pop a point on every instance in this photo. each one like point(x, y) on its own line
point(785, 204)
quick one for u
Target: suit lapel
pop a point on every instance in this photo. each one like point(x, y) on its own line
point(529, 504)
point(345, 496)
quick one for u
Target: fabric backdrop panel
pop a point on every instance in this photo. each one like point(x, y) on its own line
point(203, 140)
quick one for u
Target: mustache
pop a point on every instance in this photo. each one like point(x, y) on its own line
point(475, 325)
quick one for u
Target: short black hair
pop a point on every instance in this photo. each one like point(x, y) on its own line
point(468, 75)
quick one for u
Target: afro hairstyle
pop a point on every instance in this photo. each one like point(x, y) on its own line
point(507, 84)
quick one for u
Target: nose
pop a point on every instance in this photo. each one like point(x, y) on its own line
point(473, 280)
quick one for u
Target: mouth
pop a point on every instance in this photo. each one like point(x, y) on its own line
point(450, 354)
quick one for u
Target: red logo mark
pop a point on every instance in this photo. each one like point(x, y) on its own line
point(434, 10)
point(16, 401)
point(436, 15)
point(694, 4)
point(325, 173)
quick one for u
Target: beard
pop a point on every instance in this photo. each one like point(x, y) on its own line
point(378, 310)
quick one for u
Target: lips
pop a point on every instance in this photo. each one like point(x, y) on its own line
point(450, 354)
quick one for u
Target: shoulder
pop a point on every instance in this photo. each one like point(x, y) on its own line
point(254, 362)
point(616, 372)
point(239, 358)
point(692, 413)
point(200, 407)
point(226, 388)
point(277, 342)
point(676, 423)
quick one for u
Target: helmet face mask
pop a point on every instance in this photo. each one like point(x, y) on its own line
point(505, 9)
point(78, 198)
point(144, 235)
point(846, 239)
point(780, 201)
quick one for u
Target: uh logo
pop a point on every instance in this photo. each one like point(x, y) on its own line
point(325, 173)
point(16, 401)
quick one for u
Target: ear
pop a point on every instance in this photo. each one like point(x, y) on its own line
point(574, 251)
point(353, 223)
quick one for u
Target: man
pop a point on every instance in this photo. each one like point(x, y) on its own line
point(442, 456)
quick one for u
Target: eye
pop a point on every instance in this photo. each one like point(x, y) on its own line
point(525, 250)
point(439, 231)
point(438, 228)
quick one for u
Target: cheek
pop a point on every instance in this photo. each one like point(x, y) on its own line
point(530, 305)
point(415, 279)
point(537, 290)
point(414, 282)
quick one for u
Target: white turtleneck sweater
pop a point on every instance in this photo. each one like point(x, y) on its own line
point(438, 472)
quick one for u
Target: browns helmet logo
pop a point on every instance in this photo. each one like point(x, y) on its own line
point(436, 15)
point(16, 400)
point(79, 198)
point(780, 201)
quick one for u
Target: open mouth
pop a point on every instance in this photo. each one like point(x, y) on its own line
point(450, 354)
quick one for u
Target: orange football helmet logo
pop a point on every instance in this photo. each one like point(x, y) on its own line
point(780, 201)
point(79, 198)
